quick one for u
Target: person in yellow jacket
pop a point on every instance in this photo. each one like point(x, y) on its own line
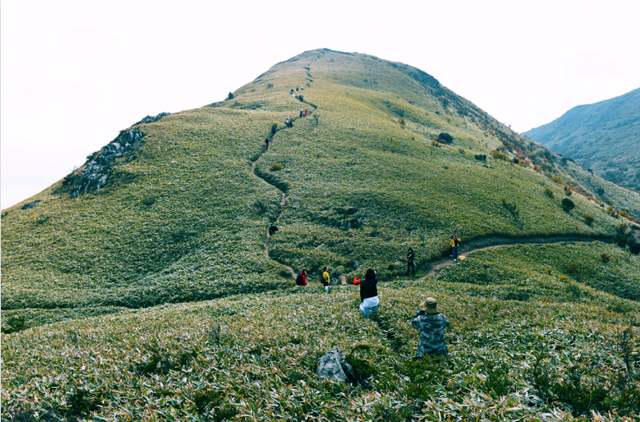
point(325, 279)
point(455, 242)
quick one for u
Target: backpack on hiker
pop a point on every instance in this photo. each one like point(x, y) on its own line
point(299, 280)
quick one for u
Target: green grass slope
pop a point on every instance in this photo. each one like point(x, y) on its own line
point(182, 218)
point(604, 137)
point(154, 297)
point(534, 345)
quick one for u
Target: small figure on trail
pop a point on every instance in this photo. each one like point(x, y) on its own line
point(301, 279)
point(272, 230)
point(410, 265)
point(293, 94)
point(431, 324)
point(306, 112)
point(300, 97)
point(266, 142)
point(325, 279)
point(450, 246)
point(455, 242)
point(288, 122)
point(369, 293)
point(296, 88)
point(301, 113)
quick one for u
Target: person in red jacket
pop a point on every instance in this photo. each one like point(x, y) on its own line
point(301, 280)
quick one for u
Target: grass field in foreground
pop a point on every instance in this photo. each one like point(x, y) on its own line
point(554, 356)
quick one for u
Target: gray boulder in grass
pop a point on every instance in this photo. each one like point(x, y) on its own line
point(333, 366)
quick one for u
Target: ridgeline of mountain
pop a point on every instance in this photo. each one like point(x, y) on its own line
point(155, 282)
point(603, 137)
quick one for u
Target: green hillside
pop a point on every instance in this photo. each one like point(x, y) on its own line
point(603, 137)
point(147, 285)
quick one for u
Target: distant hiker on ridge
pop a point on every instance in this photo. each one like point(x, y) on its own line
point(288, 122)
point(431, 324)
point(369, 293)
point(293, 94)
point(301, 280)
point(455, 242)
point(325, 279)
point(410, 265)
point(266, 143)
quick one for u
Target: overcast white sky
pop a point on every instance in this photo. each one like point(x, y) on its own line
point(76, 72)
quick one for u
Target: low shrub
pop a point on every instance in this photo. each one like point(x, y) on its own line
point(445, 138)
point(499, 155)
point(605, 257)
point(588, 220)
point(548, 192)
point(276, 167)
point(568, 205)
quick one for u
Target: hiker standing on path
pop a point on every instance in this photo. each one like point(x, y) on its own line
point(431, 324)
point(301, 280)
point(369, 293)
point(293, 94)
point(455, 242)
point(266, 143)
point(410, 265)
point(325, 279)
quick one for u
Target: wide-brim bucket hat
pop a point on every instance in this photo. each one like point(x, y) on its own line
point(430, 306)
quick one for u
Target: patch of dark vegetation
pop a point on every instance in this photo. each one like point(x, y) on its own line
point(445, 138)
point(162, 361)
point(14, 324)
point(214, 404)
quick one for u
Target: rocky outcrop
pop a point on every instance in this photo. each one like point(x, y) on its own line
point(334, 366)
point(30, 205)
point(96, 173)
point(151, 119)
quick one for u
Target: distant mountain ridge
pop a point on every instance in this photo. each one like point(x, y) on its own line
point(603, 137)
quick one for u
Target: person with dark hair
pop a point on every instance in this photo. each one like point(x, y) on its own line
point(410, 265)
point(431, 324)
point(301, 279)
point(325, 279)
point(266, 143)
point(369, 293)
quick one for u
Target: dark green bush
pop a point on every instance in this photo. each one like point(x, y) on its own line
point(568, 205)
point(445, 137)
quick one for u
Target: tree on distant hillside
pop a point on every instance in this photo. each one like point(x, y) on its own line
point(567, 204)
point(230, 96)
point(445, 138)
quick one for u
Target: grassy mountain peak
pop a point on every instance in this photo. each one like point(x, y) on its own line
point(161, 270)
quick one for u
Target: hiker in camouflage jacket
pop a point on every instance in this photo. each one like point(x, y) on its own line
point(431, 324)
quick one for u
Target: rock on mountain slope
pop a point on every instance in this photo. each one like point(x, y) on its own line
point(603, 137)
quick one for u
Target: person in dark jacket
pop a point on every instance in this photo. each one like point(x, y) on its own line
point(410, 264)
point(369, 293)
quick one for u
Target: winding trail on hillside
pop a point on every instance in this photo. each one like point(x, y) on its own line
point(495, 242)
point(283, 201)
